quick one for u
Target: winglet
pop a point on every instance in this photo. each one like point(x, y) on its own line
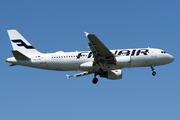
point(86, 33)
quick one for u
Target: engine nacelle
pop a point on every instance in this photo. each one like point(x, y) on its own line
point(123, 61)
point(112, 74)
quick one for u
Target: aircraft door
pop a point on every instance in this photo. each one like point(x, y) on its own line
point(153, 54)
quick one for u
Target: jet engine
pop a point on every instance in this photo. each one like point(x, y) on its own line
point(112, 74)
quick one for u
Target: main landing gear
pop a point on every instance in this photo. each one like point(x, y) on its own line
point(153, 73)
point(100, 71)
point(95, 80)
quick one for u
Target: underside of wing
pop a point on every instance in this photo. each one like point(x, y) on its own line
point(98, 48)
point(102, 55)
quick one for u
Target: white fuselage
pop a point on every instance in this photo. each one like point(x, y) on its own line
point(70, 61)
point(99, 61)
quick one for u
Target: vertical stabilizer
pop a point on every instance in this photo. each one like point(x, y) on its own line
point(19, 43)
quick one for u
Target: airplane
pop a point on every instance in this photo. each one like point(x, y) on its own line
point(99, 61)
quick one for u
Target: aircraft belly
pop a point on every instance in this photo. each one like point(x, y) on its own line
point(67, 65)
point(30, 63)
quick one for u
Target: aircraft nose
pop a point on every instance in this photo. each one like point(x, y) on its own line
point(171, 58)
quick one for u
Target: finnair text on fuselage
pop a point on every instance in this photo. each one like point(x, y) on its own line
point(129, 52)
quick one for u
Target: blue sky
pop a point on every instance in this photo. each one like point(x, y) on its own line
point(56, 25)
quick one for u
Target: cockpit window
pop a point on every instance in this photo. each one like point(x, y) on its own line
point(163, 52)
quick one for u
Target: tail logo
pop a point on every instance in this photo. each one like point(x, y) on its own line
point(21, 43)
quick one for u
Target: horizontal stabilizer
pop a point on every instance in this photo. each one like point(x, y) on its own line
point(19, 56)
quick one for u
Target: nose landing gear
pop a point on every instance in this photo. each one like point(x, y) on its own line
point(153, 73)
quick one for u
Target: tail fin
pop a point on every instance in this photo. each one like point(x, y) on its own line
point(19, 43)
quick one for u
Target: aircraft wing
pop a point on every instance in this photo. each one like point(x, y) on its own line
point(100, 51)
point(98, 48)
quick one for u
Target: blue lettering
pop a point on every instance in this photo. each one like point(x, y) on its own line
point(115, 52)
point(90, 54)
point(133, 52)
point(79, 55)
point(127, 52)
point(145, 51)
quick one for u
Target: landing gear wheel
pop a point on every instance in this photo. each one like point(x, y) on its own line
point(95, 80)
point(154, 73)
point(100, 71)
